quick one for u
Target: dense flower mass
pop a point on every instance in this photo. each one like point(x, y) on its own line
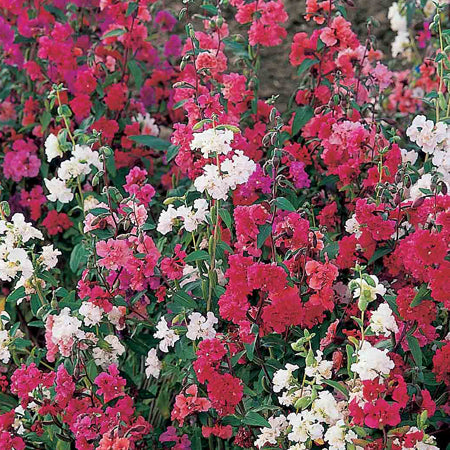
point(187, 263)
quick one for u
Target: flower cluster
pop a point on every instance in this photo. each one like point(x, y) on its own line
point(187, 262)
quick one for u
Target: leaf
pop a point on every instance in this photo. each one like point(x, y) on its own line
point(114, 33)
point(151, 141)
point(35, 304)
point(78, 257)
point(199, 255)
point(45, 120)
point(226, 217)
point(379, 253)
point(98, 211)
point(132, 6)
point(284, 204)
point(337, 386)
point(256, 420)
point(302, 116)
point(416, 352)
point(211, 9)
point(306, 64)
point(250, 348)
point(423, 293)
point(16, 294)
point(181, 298)
point(264, 233)
point(172, 152)
point(136, 72)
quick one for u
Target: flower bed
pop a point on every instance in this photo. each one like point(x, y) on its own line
point(185, 264)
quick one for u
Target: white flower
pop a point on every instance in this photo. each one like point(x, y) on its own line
point(326, 407)
point(278, 426)
point(337, 436)
point(238, 169)
point(382, 321)
point(195, 217)
point(13, 261)
point(152, 364)
point(372, 362)
point(367, 290)
point(397, 20)
point(168, 336)
point(115, 316)
point(424, 182)
point(283, 378)
point(426, 134)
point(52, 149)
point(409, 156)
point(58, 190)
point(305, 425)
point(352, 226)
point(90, 202)
point(233, 172)
point(167, 220)
point(92, 313)
point(66, 328)
point(85, 155)
point(190, 274)
point(212, 182)
point(106, 357)
point(4, 351)
point(49, 256)
point(23, 229)
point(148, 124)
point(320, 369)
point(212, 141)
point(200, 327)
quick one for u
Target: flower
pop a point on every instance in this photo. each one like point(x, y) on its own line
point(49, 256)
point(168, 337)
point(152, 364)
point(283, 378)
point(200, 327)
point(382, 321)
point(52, 149)
point(58, 190)
point(372, 362)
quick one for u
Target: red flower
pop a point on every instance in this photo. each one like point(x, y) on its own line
point(56, 222)
point(381, 413)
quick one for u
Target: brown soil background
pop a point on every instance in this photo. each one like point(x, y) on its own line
point(277, 76)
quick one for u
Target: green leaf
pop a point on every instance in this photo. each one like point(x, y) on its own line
point(45, 120)
point(250, 348)
point(132, 6)
point(305, 65)
point(264, 233)
point(284, 204)
point(337, 386)
point(172, 152)
point(114, 33)
point(35, 304)
point(199, 255)
point(211, 9)
point(78, 257)
point(136, 72)
point(226, 217)
point(302, 116)
point(256, 420)
point(16, 294)
point(181, 298)
point(414, 346)
point(423, 293)
point(151, 141)
point(379, 253)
